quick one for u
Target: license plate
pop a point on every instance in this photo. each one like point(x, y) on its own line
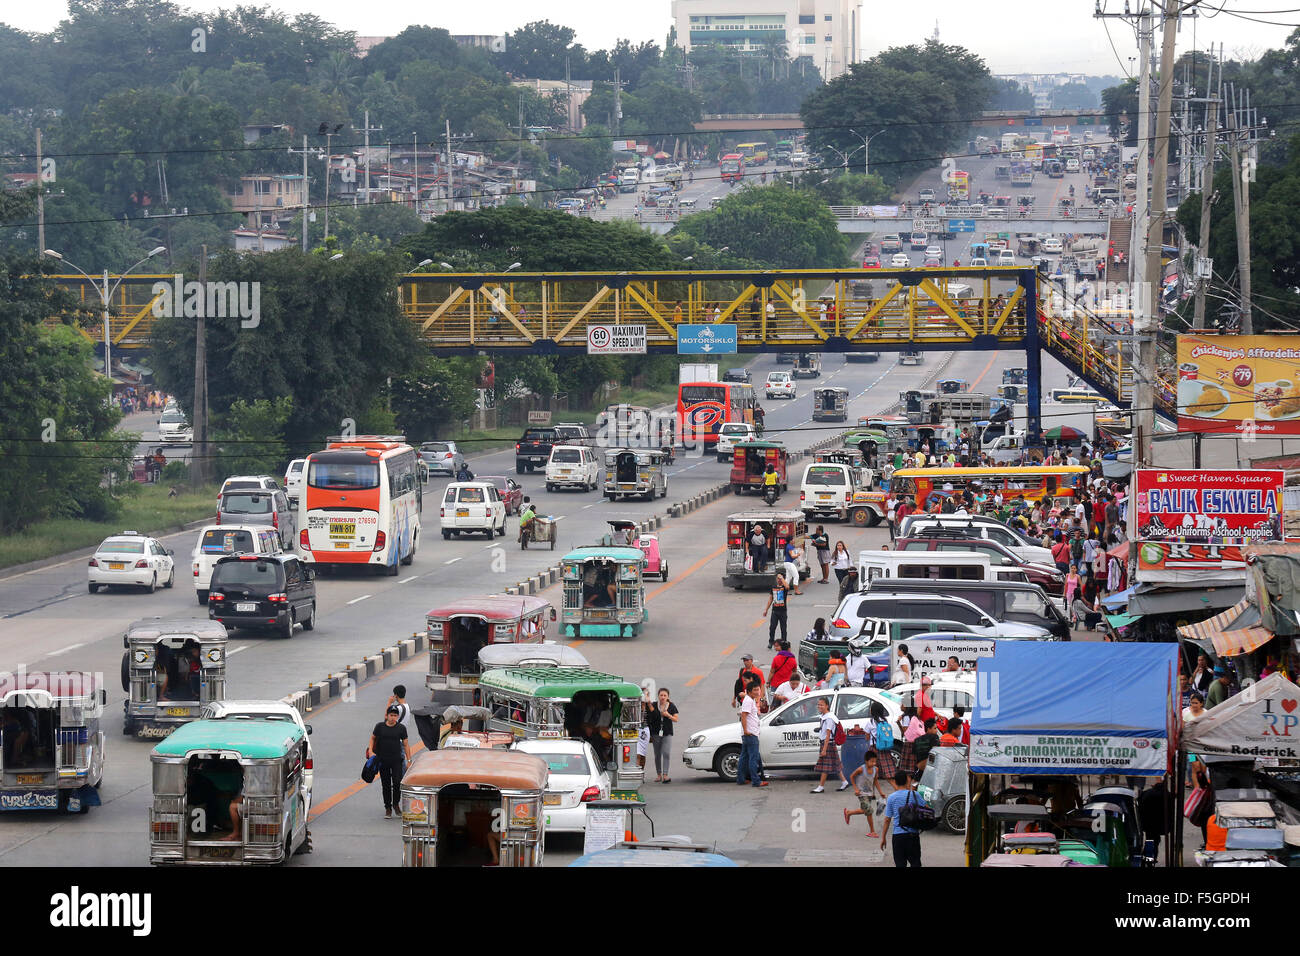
point(341, 545)
point(243, 608)
point(550, 799)
point(178, 711)
point(462, 512)
point(469, 678)
point(821, 494)
point(345, 529)
point(116, 565)
point(31, 779)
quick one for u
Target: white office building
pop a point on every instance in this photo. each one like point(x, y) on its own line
point(828, 32)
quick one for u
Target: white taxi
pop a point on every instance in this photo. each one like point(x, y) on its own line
point(266, 710)
point(575, 780)
point(731, 432)
point(572, 465)
point(779, 385)
point(472, 506)
point(787, 736)
point(131, 559)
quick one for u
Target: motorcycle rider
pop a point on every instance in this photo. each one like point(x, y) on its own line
point(771, 483)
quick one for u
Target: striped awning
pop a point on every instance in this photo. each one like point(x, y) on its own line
point(1238, 630)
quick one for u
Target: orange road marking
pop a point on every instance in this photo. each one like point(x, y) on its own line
point(577, 642)
point(695, 680)
point(329, 803)
point(992, 358)
point(728, 649)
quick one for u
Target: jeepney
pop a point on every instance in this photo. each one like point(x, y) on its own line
point(830, 404)
point(171, 668)
point(51, 746)
point(545, 654)
point(473, 807)
point(745, 569)
point(604, 592)
point(457, 631)
point(230, 793)
point(635, 471)
point(553, 702)
point(749, 461)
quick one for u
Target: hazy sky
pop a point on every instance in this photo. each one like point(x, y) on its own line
point(1012, 35)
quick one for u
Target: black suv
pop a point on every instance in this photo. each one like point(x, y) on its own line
point(737, 375)
point(263, 591)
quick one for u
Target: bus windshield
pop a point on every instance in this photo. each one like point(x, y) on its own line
point(695, 394)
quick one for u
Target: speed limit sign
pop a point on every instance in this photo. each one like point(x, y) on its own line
point(616, 340)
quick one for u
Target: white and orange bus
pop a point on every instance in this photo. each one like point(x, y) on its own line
point(704, 407)
point(361, 503)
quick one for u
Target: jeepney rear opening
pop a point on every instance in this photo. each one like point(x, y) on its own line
point(28, 738)
point(589, 716)
point(468, 827)
point(464, 637)
point(211, 784)
point(626, 468)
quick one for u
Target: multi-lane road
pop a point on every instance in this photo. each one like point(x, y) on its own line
point(693, 645)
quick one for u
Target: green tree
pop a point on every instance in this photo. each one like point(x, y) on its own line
point(780, 227)
point(542, 240)
point(436, 398)
point(1073, 96)
point(1010, 95)
point(249, 436)
point(588, 152)
point(537, 51)
point(330, 335)
point(1120, 104)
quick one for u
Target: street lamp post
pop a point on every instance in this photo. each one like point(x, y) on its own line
point(866, 155)
point(105, 296)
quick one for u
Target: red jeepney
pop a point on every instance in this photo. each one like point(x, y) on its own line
point(459, 630)
point(749, 461)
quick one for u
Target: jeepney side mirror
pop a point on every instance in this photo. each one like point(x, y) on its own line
point(103, 697)
point(554, 616)
point(308, 726)
point(171, 552)
point(311, 576)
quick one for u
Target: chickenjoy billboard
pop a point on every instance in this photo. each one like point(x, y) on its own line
point(1239, 383)
point(1208, 506)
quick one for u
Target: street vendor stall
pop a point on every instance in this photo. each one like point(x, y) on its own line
point(1036, 740)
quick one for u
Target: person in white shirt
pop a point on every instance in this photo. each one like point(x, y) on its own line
point(794, 687)
point(857, 668)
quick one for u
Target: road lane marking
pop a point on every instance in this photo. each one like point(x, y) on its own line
point(332, 801)
point(760, 622)
point(992, 358)
point(695, 680)
point(585, 507)
point(577, 642)
point(236, 650)
point(687, 573)
point(452, 561)
point(411, 578)
point(360, 599)
point(64, 650)
point(726, 651)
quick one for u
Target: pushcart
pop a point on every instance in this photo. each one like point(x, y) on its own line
point(544, 530)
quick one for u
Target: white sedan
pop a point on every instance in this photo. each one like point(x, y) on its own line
point(787, 736)
point(575, 780)
point(131, 559)
point(900, 261)
point(779, 385)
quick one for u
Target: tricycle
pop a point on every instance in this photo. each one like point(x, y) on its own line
point(625, 533)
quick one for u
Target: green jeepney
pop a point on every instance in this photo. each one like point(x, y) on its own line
point(555, 702)
point(604, 592)
point(207, 766)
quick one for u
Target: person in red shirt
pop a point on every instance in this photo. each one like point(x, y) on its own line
point(783, 665)
point(748, 673)
point(1099, 514)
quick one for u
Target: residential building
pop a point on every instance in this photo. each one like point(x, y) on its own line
point(493, 44)
point(268, 200)
point(250, 240)
point(827, 32)
point(574, 92)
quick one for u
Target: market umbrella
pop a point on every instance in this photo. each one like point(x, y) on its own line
point(1064, 433)
point(662, 155)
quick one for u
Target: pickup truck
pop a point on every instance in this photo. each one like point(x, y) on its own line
point(533, 450)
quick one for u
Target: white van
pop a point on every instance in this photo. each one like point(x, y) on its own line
point(1071, 165)
point(294, 476)
point(827, 488)
point(934, 566)
point(628, 182)
point(472, 506)
point(572, 466)
point(217, 541)
point(173, 428)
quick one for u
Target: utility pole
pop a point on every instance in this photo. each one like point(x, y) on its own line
point(415, 135)
point(368, 130)
point(1241, 210)
point(40, 200)
point(451, 164)
point(1141, 212)
point(1207, 193)
point(199, 457)
point(305, 201)
point(618, 103)
point(1149, 299)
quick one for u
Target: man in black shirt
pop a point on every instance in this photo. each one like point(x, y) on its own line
point(388, 741)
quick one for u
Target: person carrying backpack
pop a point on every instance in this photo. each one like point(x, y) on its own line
point(831, 734)
point(882, 736)
point(901, 813)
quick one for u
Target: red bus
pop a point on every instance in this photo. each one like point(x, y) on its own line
point(361, 503)
point(731, 168)
point(703, 407)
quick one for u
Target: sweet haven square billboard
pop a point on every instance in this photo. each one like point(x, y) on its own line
point(1208, 506)
point(1239, 383)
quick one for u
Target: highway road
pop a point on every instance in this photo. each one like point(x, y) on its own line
point(692, 645)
